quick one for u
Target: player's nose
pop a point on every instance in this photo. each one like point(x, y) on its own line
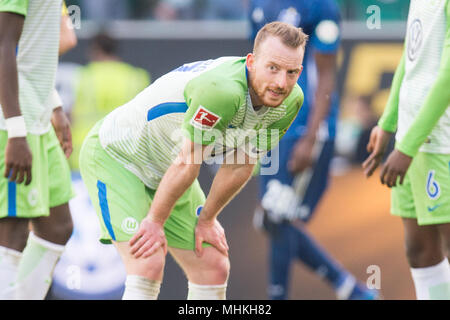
point(281, 81)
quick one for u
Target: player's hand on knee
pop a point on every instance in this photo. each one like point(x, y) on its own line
point(148, 239)
point(211, 232)
point(18, 160)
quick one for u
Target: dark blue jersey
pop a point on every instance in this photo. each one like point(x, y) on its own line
point(320, 20)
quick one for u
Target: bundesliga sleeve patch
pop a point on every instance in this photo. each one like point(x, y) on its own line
point(204, 119)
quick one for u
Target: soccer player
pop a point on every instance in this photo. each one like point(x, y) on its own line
point(289, 197)
point(36, 185)
point(417, 169)
point(140, 163)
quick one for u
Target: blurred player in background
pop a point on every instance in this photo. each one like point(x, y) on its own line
point(417, 169)
point(140, 163)
point(36, 183)
point(104, 84)
point(67, 38)
point(289, 197)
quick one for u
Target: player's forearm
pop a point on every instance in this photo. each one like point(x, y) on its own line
point(177, 179)
point(68, 38)
point(388, 121)
point(326, 70)
point(9, 87)
point(322, 103)
point(229, 180)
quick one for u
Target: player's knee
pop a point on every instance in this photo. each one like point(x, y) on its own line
point(57, 227)
point(14, 233)
point(58, 233)
point(415, 250)
point(64, 225)
point(152, 267)
point(223, 270)
point(447, 247)
point(422, 253)
point(65, 231)
point(219, 268)
point(445, 233)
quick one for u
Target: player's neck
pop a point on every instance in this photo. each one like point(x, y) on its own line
point(256, 102)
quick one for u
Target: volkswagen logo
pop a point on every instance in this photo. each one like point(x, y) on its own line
point(414, 39)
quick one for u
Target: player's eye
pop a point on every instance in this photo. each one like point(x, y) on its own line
point(273, 68)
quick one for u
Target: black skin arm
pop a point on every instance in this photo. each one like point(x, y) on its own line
point(17, 154)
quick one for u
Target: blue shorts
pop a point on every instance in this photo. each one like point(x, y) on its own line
point(319, 179)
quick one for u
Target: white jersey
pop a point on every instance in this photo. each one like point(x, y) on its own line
point(37, 60)
point(425, 37)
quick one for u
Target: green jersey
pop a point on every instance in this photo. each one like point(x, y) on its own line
point(418, 106)
point(208, 102)
point(37, 60)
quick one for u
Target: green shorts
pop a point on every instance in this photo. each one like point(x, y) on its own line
point(121, 199)
point(425, 193)
point(51, 183)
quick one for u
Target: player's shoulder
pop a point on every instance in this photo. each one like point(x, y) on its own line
point(296, 95)
point(226, 80)
point(295, 99)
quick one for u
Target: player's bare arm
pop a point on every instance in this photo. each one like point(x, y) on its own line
point(302, 156)
point(18, 157)
point(68, 38)
point(229, 180)
point(177, 179)
point(62, 129)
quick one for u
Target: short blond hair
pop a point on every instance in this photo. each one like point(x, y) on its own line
point(288, 34)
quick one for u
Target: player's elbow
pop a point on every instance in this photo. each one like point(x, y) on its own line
point(72, 41)
point(66, 43)
point(242, 173)
point(186, 168)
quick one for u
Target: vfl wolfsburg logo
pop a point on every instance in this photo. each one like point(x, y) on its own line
point(414, 39)
point(33, 197)
point(130, 225)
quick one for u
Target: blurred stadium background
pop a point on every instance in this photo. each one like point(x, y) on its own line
point(353, 221)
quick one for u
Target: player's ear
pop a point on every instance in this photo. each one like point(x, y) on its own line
point(250, 61)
